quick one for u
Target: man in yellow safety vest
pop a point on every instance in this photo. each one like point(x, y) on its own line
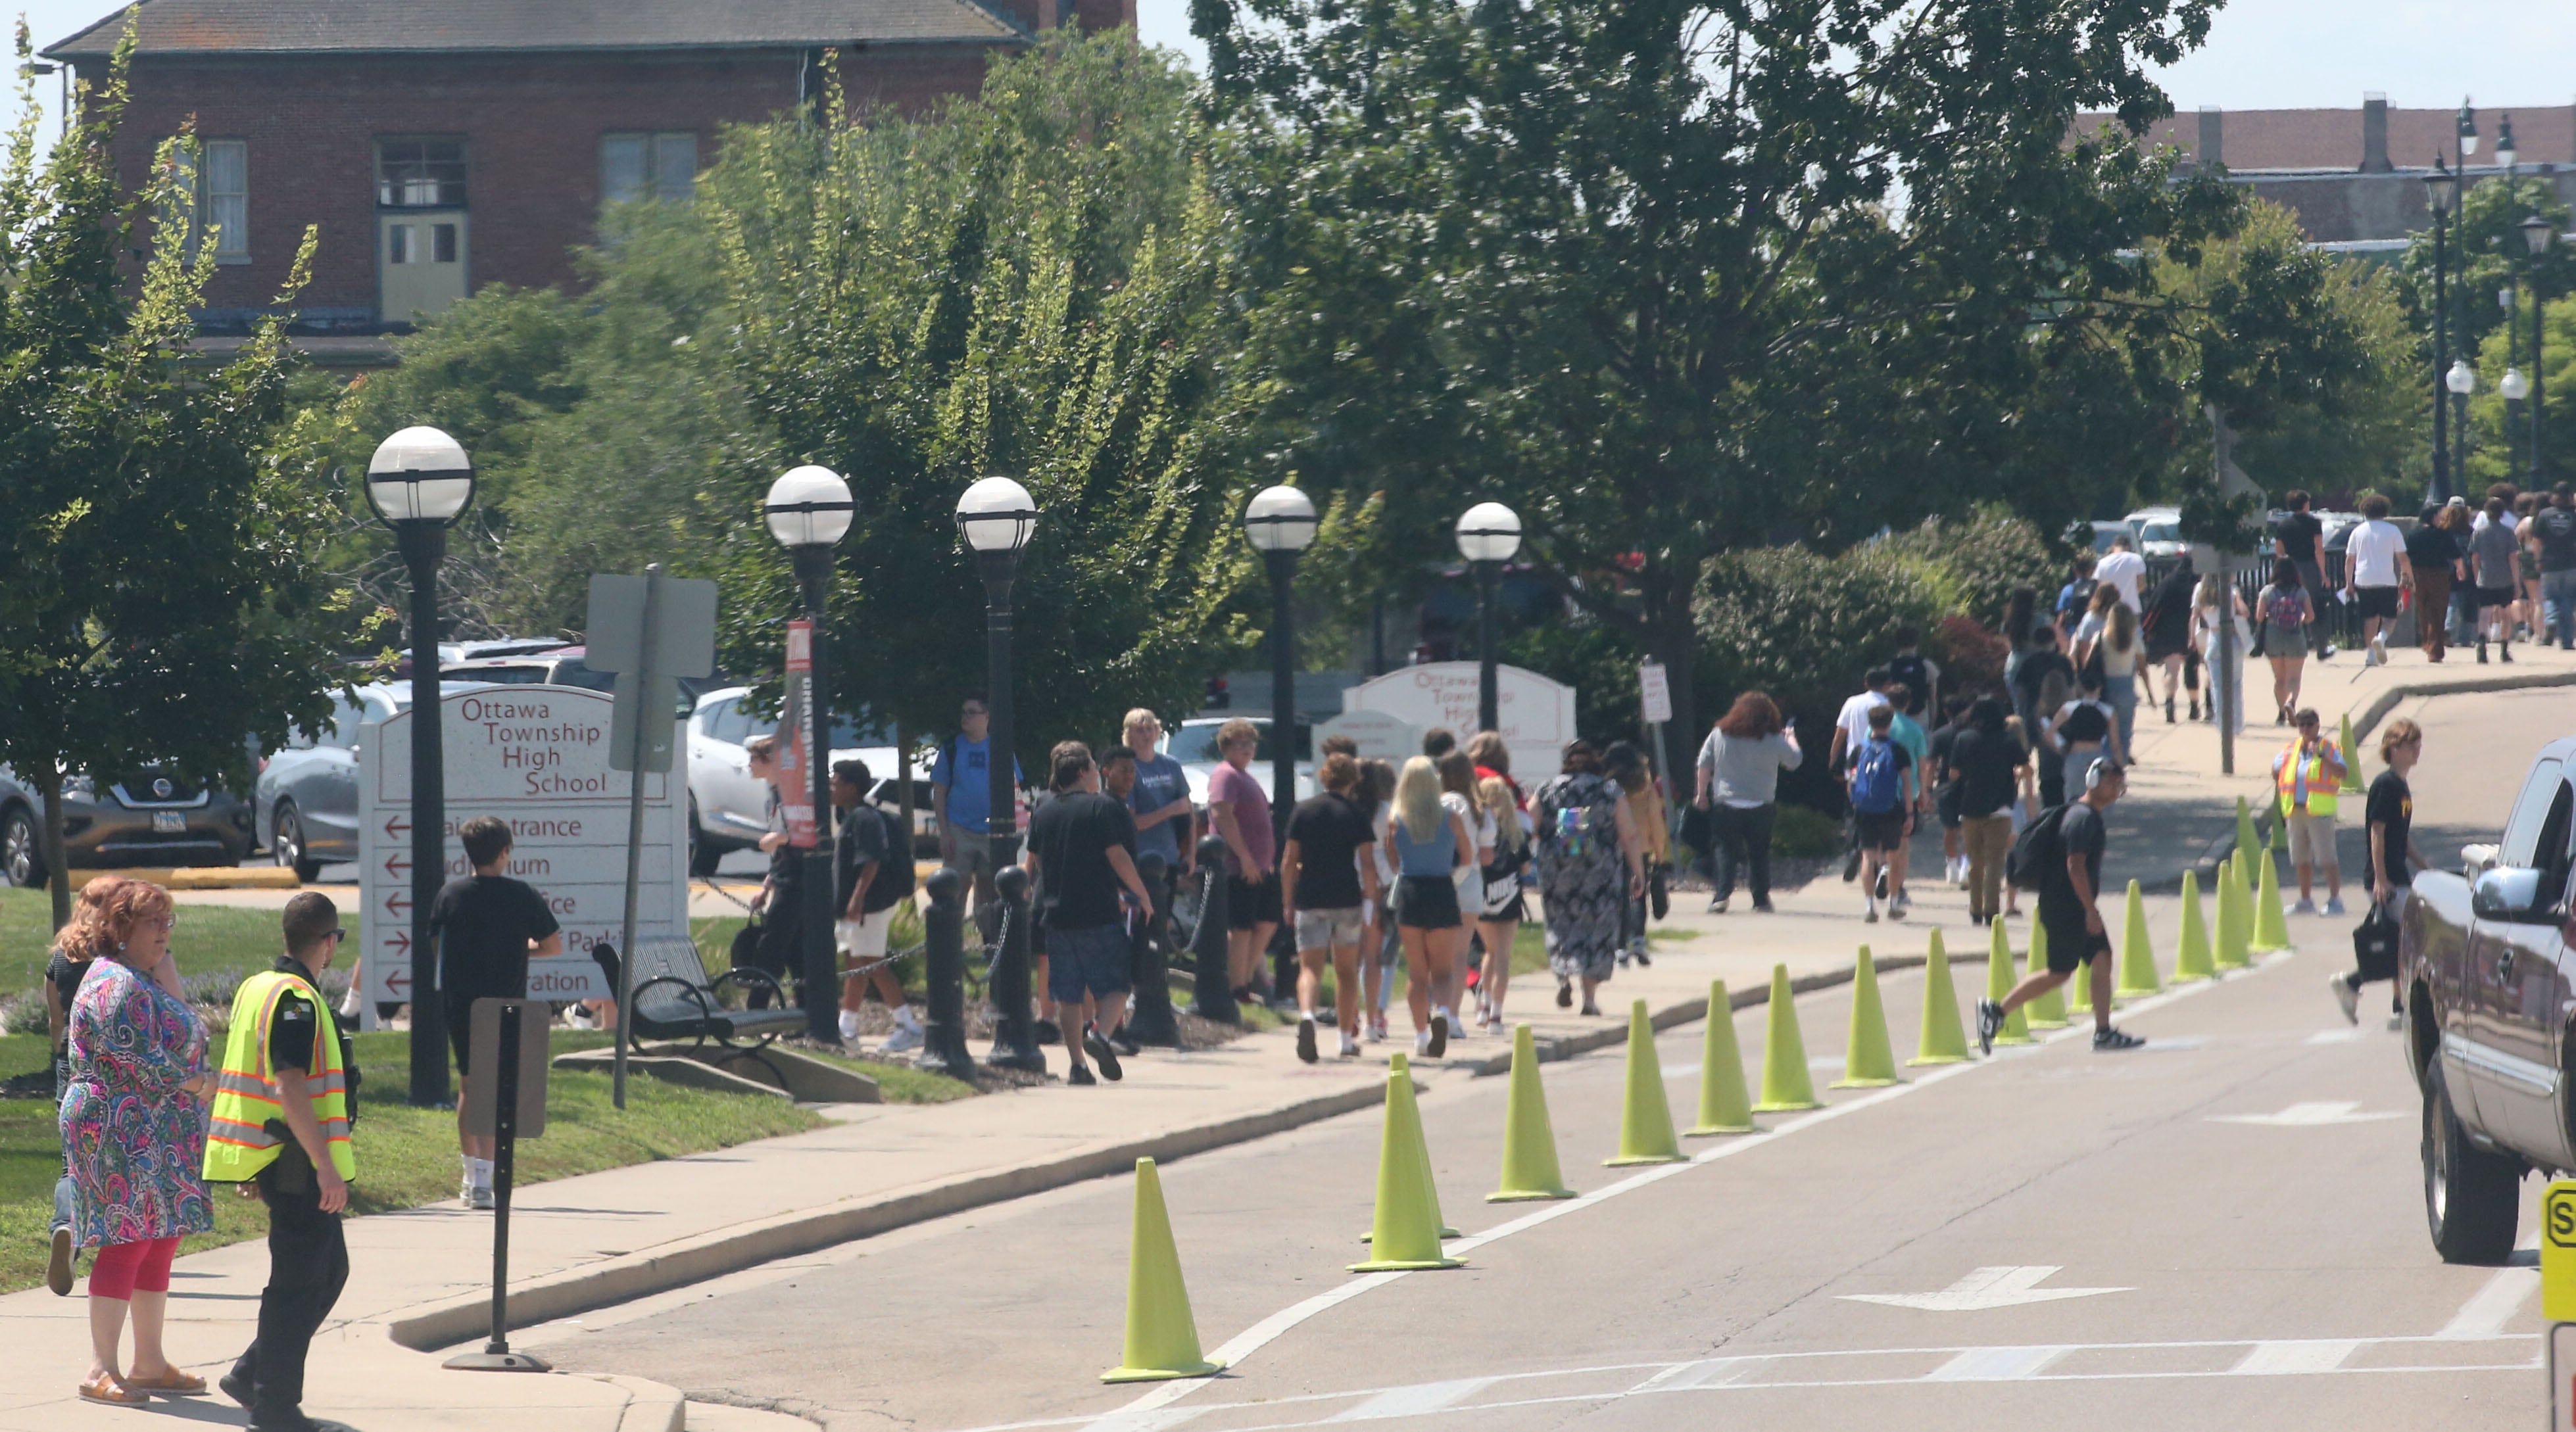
point(284, 1103)
point(2307, 773)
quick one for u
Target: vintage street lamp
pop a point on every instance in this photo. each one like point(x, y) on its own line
point(808, 510)
point(995, 516)
point(1488, 534)
point(1280, 521)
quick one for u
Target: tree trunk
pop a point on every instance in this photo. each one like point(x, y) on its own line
point(58, 874)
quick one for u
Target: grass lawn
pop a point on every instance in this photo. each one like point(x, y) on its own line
point(406, 1156)
point(209, 938)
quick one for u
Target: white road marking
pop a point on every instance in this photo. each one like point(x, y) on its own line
point(2306, 1355)
point(2309, 1116)
point(1252, 1339)
point(1996, 1364)
point(1415, 1400)
point(2334, 1036)
point(2000, 1287)
point(2487, 1311)
point(1707, 1372)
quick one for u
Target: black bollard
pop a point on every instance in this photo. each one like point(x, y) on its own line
point(1149, 1018)
point(1015, 1043)
point(1208, 956)
point(943, 930)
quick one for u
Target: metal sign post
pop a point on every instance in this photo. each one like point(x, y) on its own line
point(505, 1099)
point(649, 630)
point(1656, 693)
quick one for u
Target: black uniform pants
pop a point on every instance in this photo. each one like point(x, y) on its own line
point(308, 1262)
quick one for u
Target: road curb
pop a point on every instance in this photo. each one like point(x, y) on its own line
point(728, 1250)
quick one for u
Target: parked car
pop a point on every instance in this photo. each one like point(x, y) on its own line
point(1194, 746)
point(149, 815)
point(306, 801)
point(2096, 535)
point(728, 810)
point(2487, 958)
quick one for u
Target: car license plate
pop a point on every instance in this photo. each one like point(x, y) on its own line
point(169, 822)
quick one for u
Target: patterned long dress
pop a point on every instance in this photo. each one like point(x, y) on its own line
point(1581, 873)
point(135, 1140)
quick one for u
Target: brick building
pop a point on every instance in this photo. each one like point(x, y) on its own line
point(2355, 177)
point(441, 145)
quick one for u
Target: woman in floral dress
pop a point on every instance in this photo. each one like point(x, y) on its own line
point(134, 1134)
point(1583, 835)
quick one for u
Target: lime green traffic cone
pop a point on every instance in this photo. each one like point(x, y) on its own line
point(2280, 834)
point(1785, 1085)
point(1999, 983)
point(1943, 1040)
point(1162, 1337)
point(2235, 922)
point(2137, 952)
point(1724, 1106)
point(2191, 953)
point(2047, 1011)
point(2246, 843)
point(1645, 1121)
point(1868, 1060)
point(1407, 1231)
point(2271, 926)
point(1529, 1140)
point(1399, 1063)
point(2351, 759)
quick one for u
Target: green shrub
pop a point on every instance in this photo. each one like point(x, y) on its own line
point(1804, 626)
point(1973, 563)
point(1803, 833)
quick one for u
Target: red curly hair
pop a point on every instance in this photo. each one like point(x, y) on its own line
point(109, 909)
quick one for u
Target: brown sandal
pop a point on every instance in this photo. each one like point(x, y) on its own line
point(175, 1383)
point(108, 1388)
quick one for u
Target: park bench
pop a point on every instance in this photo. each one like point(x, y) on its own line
point(673, 1000)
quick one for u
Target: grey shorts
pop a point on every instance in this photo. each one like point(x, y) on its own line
point(1323, 929)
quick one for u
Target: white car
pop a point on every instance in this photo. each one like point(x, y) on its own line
point(1194, 746)
point(729, 810)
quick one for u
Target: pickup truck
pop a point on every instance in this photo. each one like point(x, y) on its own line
point(2488, 959)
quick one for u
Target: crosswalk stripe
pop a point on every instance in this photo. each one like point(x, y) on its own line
point(2271, 1359)
point(1995, 1364)
point(1413, 1401)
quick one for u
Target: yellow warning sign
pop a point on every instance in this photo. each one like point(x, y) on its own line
point(2558, 1252)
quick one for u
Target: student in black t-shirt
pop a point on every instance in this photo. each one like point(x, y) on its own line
point(2070, 910)
point(487, 925)
point(1327, 881)
point(2389, 811)
point(1082, 850)
point(867, 884)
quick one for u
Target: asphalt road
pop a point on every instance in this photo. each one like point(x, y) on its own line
point(2222, 1229)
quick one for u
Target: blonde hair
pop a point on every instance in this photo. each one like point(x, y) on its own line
point(1135, 721)
point(1417, 799)
point(2120, 628)
point(2399, 732)
point(1486, 749)
point(1496, 793)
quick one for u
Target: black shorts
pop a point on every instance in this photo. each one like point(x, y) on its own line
point(1251, 903)
point(2070, 945)
point(2495, 596)
point(1945, 802)
point(1879, 830)
point(2378, 602)
point(1430, 903)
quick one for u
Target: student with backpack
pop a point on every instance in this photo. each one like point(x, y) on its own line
point(1882, 815)
point(872, 877)
point(2060, 856)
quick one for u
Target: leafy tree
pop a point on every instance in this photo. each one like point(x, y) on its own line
point(159, 593)
point(2487, 255)
point(2500, 432)
point(1679, 277)
point(1032, 284)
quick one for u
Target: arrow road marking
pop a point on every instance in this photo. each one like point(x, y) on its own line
point(2003, 1287)
point(2308, 1116)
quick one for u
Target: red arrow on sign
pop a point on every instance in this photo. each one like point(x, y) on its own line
point(397, 902)
point(398, 980)
point(396, 826)
point(396, 865)
point(400, 942)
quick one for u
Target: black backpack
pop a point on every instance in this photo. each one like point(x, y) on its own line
point(2039, 849)
point(894, 878)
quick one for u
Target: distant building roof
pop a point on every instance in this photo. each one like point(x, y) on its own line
point(177, 28)
point(2336, 138)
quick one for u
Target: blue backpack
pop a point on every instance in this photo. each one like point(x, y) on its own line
point(1875, 787)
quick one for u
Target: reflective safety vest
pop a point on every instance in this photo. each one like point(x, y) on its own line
point(2305, 781)
point(247, 1130)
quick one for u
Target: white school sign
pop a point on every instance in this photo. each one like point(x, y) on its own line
point(537, 757)
point(1537, 715)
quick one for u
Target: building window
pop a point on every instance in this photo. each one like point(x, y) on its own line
point(420, 173)
point(648, 166)
point(214, 195)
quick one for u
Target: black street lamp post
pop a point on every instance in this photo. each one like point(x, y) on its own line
point(2537, 236)
point(995, 516)
point(1280, 521)
point(1488, 534)
point(808, 510)
point(419, 482)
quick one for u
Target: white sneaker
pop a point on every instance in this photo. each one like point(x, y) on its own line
point(1897, 906)
point(1350, 1047)
point(849, 1026)
point(1421, 1043)
point(1869, 913)
point(905, 1036)
point(476, 1197)
point(2304, 907)
point(2334, 905)
point(2347, 997)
